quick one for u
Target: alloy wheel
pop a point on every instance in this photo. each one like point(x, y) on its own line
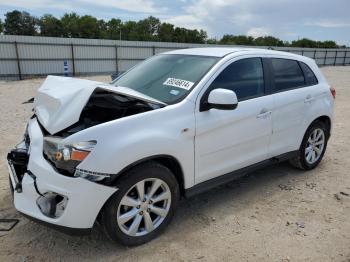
point(144, 207)
point(314, 146)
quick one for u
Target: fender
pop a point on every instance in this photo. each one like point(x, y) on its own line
point(323, 107)
point(131, 139)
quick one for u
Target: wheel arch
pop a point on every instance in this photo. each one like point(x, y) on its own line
point(168, 161)
point(326, 120)
point(299, 161)
point(323, 118)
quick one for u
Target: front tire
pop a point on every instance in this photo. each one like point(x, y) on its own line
point(313, 146)
point(143, 206)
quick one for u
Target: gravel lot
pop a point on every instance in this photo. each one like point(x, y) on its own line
point(276, 214)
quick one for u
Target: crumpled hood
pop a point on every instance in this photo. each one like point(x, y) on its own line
point(60, 100)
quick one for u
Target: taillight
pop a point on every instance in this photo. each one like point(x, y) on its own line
point(333, 92)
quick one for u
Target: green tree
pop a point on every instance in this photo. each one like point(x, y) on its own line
point(183, 35)
point(195, 36)
point(203, 36)
point(20, 23)
point(166, 32)
point(268, 41)
point(304, 42)
point(329, 44)
point(179, 35)
point(88, 27)
point(114, 28)
point(50, 26)
point(147, 29)
point(1, 26)
point(237, 40)
point(70, 25)
point(129, 31)
point(102, 29)
point(192, 36)
point(212, 41)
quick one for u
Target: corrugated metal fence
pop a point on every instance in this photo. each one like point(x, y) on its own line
point(27, 56)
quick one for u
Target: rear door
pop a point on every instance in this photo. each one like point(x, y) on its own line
point(289, 98)
point(227, 140)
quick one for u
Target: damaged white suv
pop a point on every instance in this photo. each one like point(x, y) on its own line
point(122, 154)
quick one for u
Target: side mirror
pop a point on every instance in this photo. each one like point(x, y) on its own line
point(222, 99)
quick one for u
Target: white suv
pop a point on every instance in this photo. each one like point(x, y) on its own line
point(174, 125)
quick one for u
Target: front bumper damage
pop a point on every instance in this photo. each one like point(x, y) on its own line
point(70, 204)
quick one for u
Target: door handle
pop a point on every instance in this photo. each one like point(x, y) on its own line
point(264, 113)
point(308, 99)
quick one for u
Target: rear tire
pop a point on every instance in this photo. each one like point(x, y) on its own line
point(312, 147)
point(135, 214)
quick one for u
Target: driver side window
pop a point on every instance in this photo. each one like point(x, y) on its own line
point(245, 77)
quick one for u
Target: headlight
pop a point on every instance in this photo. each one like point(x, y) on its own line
point(66, 156)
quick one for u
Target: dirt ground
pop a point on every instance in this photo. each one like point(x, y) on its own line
point(276, 214)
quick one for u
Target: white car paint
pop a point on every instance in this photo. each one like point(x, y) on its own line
point(206, 144)
point(243, 133)
point(80, 211)
point(60, 100)
point(223, 96)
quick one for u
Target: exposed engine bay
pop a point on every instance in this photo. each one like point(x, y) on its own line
point(64, 106)
point(104, 106)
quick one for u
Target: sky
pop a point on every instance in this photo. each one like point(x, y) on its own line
point(285, 19)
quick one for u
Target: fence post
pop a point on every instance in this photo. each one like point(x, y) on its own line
point(18, 62)
point(116, 59)
point(325, 57)
point(345, 54)
point(153, 50)
point(73, 61)
point(335, 57)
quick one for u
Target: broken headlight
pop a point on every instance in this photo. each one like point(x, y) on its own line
point(66, 156)
point(89, 175)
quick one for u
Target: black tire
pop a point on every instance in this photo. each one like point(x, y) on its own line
point(300, 161)
point(124, 184)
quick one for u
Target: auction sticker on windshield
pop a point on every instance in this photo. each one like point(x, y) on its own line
point(178, 83)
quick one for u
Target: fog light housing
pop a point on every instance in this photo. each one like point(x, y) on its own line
point(52, 204)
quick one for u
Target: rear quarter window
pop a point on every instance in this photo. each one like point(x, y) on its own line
point(310, 77)
point(287, 74)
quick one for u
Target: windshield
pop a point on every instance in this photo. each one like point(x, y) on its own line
point(167, 78)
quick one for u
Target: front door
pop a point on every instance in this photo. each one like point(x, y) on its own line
point(227, 140)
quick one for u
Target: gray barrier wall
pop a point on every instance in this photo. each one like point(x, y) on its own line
point(28, 56)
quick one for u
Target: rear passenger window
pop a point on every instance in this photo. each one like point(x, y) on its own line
point(310, 77)
point(245, 77)
point(287, 74)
